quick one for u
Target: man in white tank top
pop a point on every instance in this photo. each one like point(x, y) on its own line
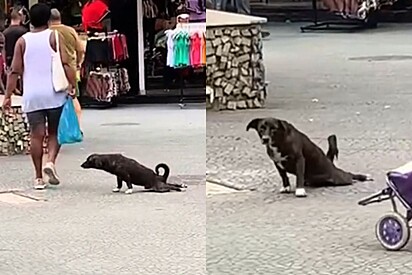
point(33, 61)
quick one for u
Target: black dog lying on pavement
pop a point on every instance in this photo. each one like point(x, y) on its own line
point(293, 152)
point(131, 172)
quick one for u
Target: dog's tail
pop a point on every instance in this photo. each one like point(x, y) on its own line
point(361, 177)
point(333, 151)
point(166, 171)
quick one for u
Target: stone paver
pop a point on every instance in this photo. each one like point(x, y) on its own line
point(83, 228)
point(366, 104)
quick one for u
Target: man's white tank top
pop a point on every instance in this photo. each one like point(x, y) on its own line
point(38, 91)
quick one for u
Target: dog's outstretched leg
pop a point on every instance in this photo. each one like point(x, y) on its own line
point(333, 150)
point(285, 180)
point(360, 177)
point(174, 187)
point(119, 185)
point(180, 186)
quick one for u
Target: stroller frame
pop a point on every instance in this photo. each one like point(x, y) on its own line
point(389, 193)
point(402, 221)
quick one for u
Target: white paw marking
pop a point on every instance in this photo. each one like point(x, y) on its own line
point(300, 192)
point(184, 186)
point(115, 190)
point(129, 191)
point(286, 189)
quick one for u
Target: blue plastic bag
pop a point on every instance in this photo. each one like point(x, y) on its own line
point(69, 129)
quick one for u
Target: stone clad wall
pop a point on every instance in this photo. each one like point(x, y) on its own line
point(235, 69)
point(14, 132)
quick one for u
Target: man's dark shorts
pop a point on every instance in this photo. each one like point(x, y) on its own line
point(38, 119)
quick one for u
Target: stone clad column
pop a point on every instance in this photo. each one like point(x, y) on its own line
point(14, 130)
point(235, 69)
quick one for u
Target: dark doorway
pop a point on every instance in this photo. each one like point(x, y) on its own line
point(124, 19)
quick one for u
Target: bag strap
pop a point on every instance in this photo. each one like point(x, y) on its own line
point(56, 37)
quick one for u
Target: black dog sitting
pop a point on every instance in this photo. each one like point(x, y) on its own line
point(131, 172)
point(293, 152)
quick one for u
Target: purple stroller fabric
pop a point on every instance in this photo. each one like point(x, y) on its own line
point(402, 183)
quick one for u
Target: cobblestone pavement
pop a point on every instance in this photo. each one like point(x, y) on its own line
point(83, 228)
point(357, 86)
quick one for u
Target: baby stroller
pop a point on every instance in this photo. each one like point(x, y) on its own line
point(393, 230)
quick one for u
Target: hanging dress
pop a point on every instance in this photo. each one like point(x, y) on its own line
point(170, 48)
point(196, 50)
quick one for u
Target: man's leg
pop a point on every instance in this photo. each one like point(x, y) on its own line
point(78, 109)
point(37, 123)
point(220, 5)
point(53, 118)
point(243, 6)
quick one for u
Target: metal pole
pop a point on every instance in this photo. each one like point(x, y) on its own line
point(140, 46)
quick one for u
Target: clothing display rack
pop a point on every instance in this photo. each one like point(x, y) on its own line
point(187, 51)
point(105, 78)
point(335, 25)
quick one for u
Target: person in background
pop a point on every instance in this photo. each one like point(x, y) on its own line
point(72, 46)
point(2, 53)
point(12, 34)
point(25, 17)
point(2, 63)
point(40, 102)
point(197, 10)
point(210, 4)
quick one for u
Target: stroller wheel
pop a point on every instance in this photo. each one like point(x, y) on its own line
point(392, 231)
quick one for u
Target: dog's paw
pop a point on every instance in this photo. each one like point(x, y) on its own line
point(284, 189)
point(300, 192)
point(116, 190)
point(183, 186)
point(128, 191)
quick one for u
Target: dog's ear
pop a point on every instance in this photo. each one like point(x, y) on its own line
point(253, 124)
point(283, 125)
point(96, 160)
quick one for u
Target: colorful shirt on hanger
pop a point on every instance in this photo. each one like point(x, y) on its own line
point(181, 49)
point(204, 49)
point(103, 48)
point(196, 50)
point(170, 48)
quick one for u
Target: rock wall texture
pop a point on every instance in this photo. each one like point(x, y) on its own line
point(235, 69)
point(14, 133)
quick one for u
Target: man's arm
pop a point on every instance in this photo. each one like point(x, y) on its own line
point(79, 49)
point(3, 52)
point(2, 89)
point(16, 68)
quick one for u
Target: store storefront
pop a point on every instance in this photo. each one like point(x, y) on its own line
point(147, 26)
